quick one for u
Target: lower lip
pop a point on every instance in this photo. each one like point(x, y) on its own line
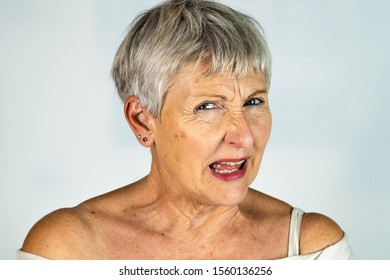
point(227, 177)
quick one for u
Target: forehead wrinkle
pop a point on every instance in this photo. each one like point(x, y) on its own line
point(236, 88)
point(222, 91)
point(227, 87)
point(240, 89)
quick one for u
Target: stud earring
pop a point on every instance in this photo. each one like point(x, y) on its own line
point(145, 139)
point(139, 136)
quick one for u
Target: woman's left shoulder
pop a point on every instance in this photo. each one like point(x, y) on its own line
point(265, 205)
point(318, 232)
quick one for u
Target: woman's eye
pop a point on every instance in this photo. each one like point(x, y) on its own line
point(206, 106)
point(253, 102)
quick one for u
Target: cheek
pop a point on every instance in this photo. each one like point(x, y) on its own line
point(210, 117)
point(179, 136)
point(178, 145)
point(194, 144)
point(198, 129)
point(262, 129)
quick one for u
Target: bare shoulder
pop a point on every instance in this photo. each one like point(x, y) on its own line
point(318, 232)
point(59, 235)
point(266, 205)
point(78, 232)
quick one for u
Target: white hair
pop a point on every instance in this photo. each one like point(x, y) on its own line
point(160, 41)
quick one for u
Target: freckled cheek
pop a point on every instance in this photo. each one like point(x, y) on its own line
point(185, 146)
point(179, 136)
point(195, 145)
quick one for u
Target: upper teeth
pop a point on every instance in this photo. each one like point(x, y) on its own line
point(216, 167)
point(232, 163)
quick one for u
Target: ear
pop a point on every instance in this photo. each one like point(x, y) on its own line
point(140, 121)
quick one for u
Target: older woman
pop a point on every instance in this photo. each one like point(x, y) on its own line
point(194, 77)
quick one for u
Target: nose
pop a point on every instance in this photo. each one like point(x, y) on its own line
point(239, 133)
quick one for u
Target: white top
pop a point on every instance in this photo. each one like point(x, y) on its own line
point(341, 250)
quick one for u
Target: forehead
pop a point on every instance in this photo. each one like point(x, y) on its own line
point(193, 80)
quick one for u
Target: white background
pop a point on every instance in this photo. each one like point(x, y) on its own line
point(64, 138)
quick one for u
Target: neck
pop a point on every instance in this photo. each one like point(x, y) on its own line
point(182, 217)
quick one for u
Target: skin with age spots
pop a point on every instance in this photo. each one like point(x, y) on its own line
point(207, 146)
point(219, 121)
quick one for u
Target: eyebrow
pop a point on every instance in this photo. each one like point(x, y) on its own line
point(259, 91)
point(223, 97)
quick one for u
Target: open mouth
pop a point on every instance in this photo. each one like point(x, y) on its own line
point(227, 167)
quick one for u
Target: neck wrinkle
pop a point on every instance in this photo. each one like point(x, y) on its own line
point(180, 217)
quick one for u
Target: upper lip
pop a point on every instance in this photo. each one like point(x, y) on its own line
point(233, 160)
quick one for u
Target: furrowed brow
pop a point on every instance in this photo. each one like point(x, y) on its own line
point(257, 92)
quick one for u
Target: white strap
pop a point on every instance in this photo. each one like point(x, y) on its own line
point(295, 229)
point(21, 255)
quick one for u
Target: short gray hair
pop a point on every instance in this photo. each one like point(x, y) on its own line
point(162, 40)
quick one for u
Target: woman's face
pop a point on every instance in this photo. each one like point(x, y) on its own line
point(211, 135)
